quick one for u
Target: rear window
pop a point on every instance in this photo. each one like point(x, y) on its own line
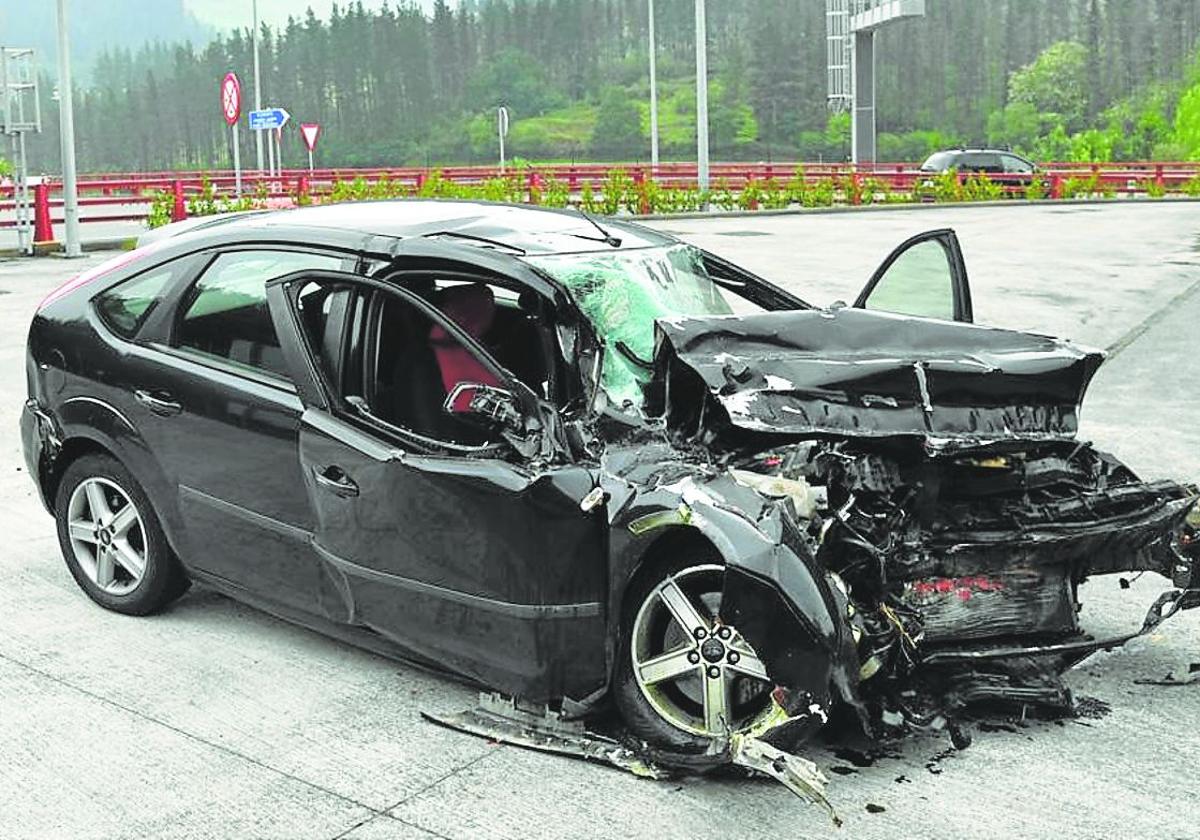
point(981, 162)
point(127, 305)
point(938, 162)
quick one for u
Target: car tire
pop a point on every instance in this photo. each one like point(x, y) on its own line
point(112, 540)
point(670, 714)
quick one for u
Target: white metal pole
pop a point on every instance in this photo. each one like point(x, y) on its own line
point(237, 162)
point(20, 178)
point(270, 153)
point(501, 130)
point(653, 95)
point(310, 163)
point(66, 116)
point(258, 144)
point(701, 96)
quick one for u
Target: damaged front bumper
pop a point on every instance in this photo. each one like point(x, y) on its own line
point(1028, 672)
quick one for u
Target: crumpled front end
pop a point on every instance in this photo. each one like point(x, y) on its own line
point(962, 572)
point(929, 470)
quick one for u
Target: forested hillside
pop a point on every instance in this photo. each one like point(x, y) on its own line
point(1085, 79)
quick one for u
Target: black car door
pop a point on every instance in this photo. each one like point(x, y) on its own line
point(442, 537)
point(216, 405)
point(925, 276)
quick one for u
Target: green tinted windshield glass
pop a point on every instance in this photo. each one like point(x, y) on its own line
point(623, 292)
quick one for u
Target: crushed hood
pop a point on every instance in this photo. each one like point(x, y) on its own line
point(851, 372)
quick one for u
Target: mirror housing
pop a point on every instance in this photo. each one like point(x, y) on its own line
point(486, 404)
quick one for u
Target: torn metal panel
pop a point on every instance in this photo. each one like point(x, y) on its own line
point(504, 720)
point(798, 775)
point(871, 375)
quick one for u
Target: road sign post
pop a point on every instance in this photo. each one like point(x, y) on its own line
point(231, 109)
point(265, 119)
point(309, 132)
point(502, 130)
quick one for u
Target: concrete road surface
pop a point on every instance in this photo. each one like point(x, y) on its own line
point(214, 720)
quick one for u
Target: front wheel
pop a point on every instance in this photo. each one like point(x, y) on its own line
point(111, 539)
point(684, 678)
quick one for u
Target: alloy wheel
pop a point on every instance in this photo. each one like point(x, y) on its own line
point(701, 676)
point(107, 535)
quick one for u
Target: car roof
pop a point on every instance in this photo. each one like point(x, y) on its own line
point(533, 230)
point(977, 151)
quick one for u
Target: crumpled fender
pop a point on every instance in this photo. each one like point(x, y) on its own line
point(776, 594)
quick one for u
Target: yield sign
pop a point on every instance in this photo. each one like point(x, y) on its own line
point(309, 132)
point(231, 98)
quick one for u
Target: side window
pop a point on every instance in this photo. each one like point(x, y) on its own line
point(920, 282)
point(126, 306)
point(1012, 163)
point(226, 316)
point(981, 162)
point(384, 357)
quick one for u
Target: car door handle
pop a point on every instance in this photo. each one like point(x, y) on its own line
point(335, 480)
point(159, 404)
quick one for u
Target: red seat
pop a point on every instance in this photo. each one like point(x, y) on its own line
point(472, 307)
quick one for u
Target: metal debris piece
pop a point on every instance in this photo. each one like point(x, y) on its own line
point(501, 719)
point(1180, 676)
point(799, 775)
point(504, 720)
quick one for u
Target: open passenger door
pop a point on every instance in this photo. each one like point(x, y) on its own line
point(924, 277)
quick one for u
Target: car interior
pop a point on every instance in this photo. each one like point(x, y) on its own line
point(399, 364)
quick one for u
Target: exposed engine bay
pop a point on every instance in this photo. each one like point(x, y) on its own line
point(963, 572)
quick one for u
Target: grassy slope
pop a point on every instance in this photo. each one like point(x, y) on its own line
point(570, 129)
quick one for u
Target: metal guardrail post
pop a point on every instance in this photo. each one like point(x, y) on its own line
point(43, 230)
point(179, 208)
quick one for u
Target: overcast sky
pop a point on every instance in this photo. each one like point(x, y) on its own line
point(225, 14)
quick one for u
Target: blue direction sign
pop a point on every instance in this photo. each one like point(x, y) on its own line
point(268, 118)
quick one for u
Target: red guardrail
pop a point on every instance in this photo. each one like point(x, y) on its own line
point(101, 190)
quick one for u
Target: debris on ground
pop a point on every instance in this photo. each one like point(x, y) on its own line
point(503, 720)
point(1177, 677)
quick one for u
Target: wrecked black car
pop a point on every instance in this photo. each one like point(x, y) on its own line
point(588, 466)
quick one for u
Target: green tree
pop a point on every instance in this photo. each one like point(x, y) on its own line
point(1018, 125)
point(1187, 123)
point(1056, 83)
point(515, 79)
point(618, 131)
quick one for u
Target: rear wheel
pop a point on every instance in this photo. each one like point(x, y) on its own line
point(111, 539)
point(684, 678)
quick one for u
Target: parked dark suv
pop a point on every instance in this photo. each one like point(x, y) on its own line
point(990, 161)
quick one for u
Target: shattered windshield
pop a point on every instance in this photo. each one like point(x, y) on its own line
point(623, 292)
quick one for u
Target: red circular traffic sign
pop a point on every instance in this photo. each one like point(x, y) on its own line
point(231, 98)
